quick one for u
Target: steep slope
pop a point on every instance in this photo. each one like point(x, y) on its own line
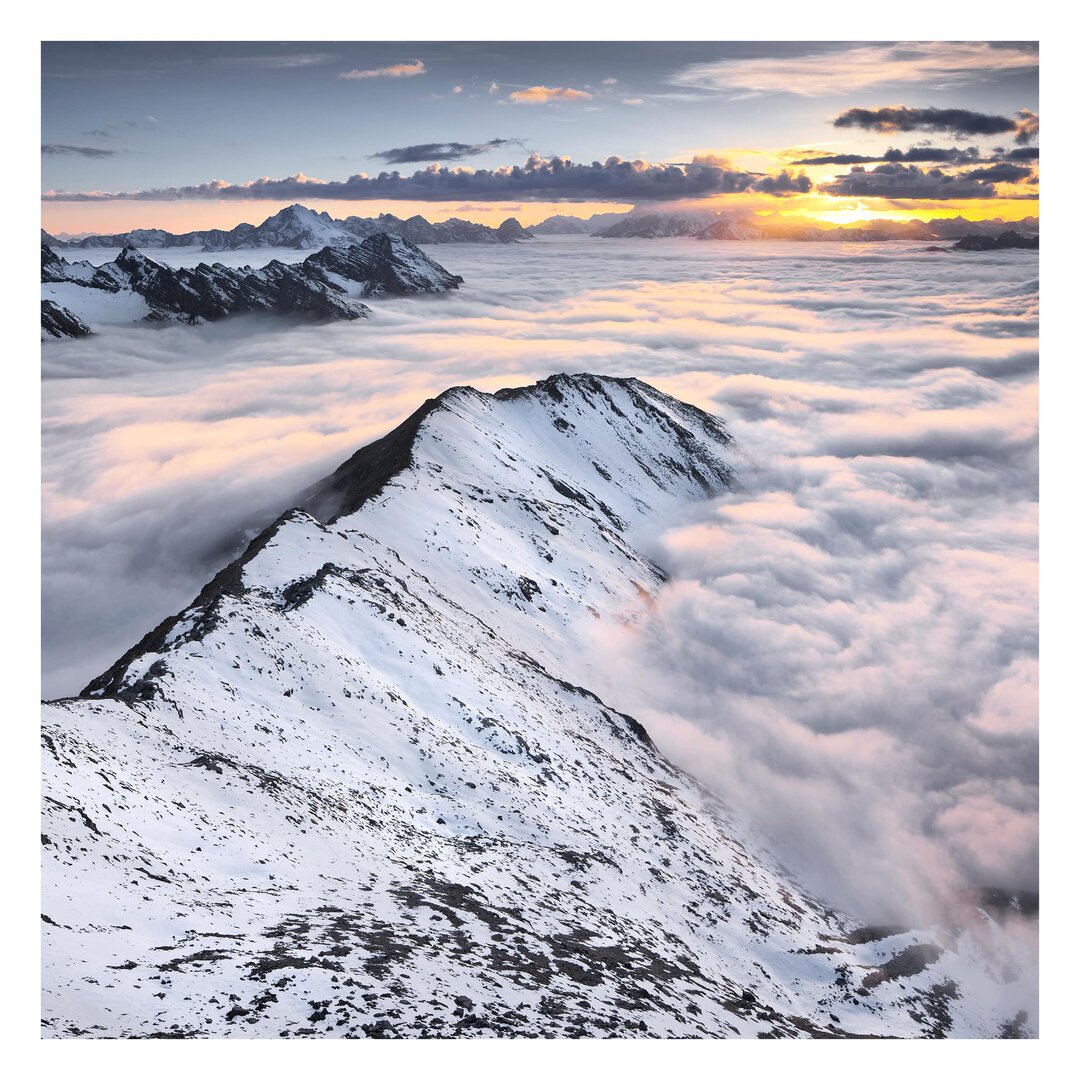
point(328, 284)
point(359, 787)
point(58, 322)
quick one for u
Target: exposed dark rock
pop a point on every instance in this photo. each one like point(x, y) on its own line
point(327, 285)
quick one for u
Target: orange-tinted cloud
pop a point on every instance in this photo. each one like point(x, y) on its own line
point(394, 71)
point(545, 95)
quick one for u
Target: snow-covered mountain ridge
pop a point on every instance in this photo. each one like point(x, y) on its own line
point(359, 786)
point(327, 284)
point(302, 228)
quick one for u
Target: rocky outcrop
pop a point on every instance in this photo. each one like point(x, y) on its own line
point(328, 284)
point(58, 322)
point(1010, 239)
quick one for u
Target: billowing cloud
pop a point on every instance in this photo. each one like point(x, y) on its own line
point(783, 183)
point(547, 95)
point(77, 151)
point(539, 178)
point(892, 181)
point(441, 151)
point(632, 101)
point(393, 71)
point(1024, 126)
point(934, 64)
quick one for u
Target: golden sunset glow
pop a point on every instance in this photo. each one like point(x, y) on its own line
point(836, 211)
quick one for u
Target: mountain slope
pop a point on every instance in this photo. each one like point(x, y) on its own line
point(359, 787)
point(328, 284)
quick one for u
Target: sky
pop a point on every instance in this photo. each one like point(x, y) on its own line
point(847, 647)
point(194, 135)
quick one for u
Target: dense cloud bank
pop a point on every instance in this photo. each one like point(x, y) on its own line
point(847, 649)
point(613, 179)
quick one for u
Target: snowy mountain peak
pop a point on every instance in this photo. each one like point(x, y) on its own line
point(620, 440)
point(359, 787)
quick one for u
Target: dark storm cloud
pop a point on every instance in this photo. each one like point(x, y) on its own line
point(922, 154)
point(539, 178)
point(78, 151)
point(1024, 126)
point(440, 151)
point(893, 181)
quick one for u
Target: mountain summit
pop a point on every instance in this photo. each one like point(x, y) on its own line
point(359, 786)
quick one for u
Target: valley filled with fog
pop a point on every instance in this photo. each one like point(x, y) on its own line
point(847, 648)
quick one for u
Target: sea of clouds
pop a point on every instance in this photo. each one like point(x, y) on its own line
point(847, 649)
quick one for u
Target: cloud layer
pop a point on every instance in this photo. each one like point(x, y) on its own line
point(847, 649)
point(935, 64)
point(894, 181)
point(539, 178)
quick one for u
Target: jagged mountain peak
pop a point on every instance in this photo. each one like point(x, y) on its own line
point(329, 284)
point(585, 419)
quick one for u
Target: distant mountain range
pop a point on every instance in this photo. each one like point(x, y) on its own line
point(302, 228)
point(330, 284)
point(568, 225)
point(705, 225)
point(1010, 239)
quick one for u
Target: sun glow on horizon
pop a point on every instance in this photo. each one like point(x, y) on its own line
point(848, 212)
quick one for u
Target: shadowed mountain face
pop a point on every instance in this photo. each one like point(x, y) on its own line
point(328, 284)
point(1009, 239)
point(360, 787)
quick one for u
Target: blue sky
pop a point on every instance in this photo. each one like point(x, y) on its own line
point(122, 117)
